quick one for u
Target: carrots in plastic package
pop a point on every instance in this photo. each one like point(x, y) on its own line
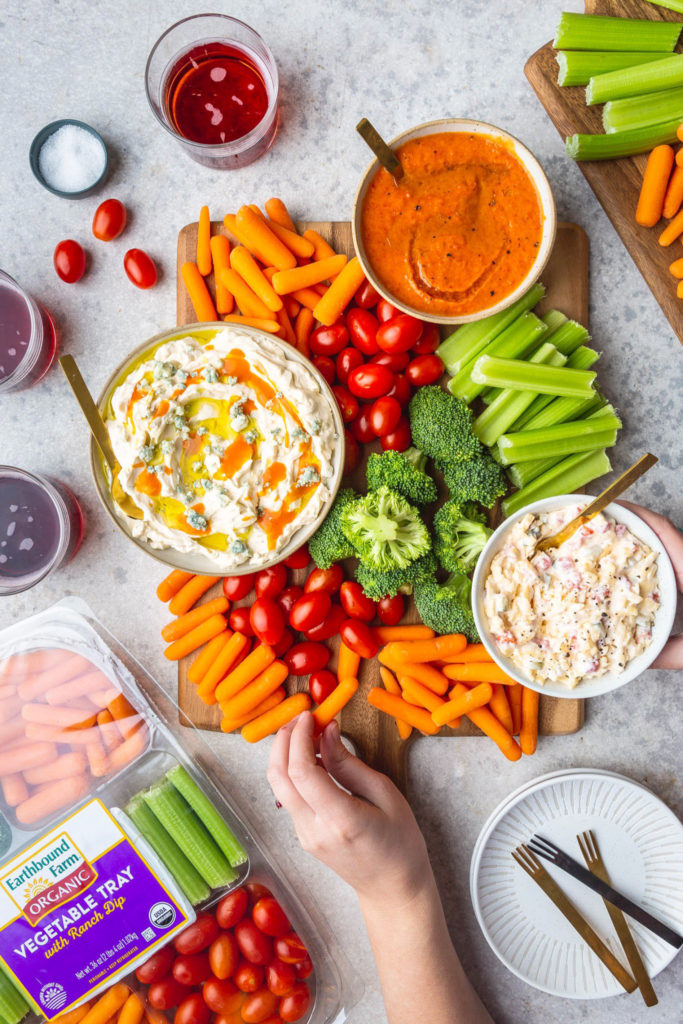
point(59, 717)
point(72, 1016)
point(52, 797)
point(132, 1010)
point(271, 721)
point(14, 789)
point(108, 1004)
point(172, 583)
point(200, 297)
point(73, 763)
point(129, 749)
point(82, 686)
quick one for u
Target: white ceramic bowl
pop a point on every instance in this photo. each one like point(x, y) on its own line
point(197, 561)
point(534, 169)
point(664, 617)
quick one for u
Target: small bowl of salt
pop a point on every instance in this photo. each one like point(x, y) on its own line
point(69, 158)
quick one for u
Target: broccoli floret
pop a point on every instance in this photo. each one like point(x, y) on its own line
point(377, 584)
point(385, 529)
point(403, 472)
point(460, 534)
point(328, 544)
point(441, 425)
point(446, 607)
point(481, 480)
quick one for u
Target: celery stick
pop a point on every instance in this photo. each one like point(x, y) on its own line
point(598, 32)
point(619, 144)
point(13, 1006)
point(581, 359)
point(562, 439)
point(167, 850)
point(671, 5)
point(639, 111)
point(207, 814)
point(509, 404)
point(521, 473)
point(564, 477)
point(654, 77)
point(553, 320)
point(180, 821)
point(569, 337)
point(577, 67)
point(515, 340)
point(523, 376)
point(463, 345)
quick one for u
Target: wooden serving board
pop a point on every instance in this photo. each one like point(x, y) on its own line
point(374, 734)
point(616, 183)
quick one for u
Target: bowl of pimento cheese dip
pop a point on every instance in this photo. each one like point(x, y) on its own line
point(229, 441)
point(581, 619)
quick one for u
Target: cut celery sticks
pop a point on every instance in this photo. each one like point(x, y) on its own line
point(494, 371)
point(207, 814)
point(518, 339)
point(565, 476)
point(168, 851)
point(619, 144)
point(577, 67)
point(13, 1006)
point(561, 439)
point(640, 111)
point(599, 32)
point(553, 320)
point(670, 5)
point(522, 473)
point(581, 358)
point(646, 78)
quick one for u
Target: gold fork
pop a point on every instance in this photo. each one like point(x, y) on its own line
point(533, 867)
point(593, 858)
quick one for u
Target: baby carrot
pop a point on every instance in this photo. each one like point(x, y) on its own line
point(66, 669)
point(206, 657)
point(673, 229)
point(674, 193)
point(462, 703)
point(500, 707)
point(303, 328)
point(489, 724)
point(189, 594)
point(129, 749)
point(10, 731)
point(278, 212)
point(204, 265)
point(676, 268)
point(425, 673)
point(473, 652)
point(246, 266)
point(402, 710)
point(653, 188)
point(107, 1005)
point(7, 691)
point(14, 789)
point(261, 657)
point(196, 638)
point(514, 695)
point(184, 623)
point(85, 685)
point(415, 693)
point(111, 737)
point(340, 293)
point(321, 249)
point(391, 686)
point(391, 634)
point(528, 734)
point(255, 692)
point(478, 672)
point(348, 663)
point(224, 662)
point(291, 305)
point(97, 758)
point(271, 721)
point(26, 755)
point(153, 1016)
point(308, 297)
point(10, 707)
point(301, 247)
point(65, 765)
point(440, 648)
point(132, 1010)
point(202, 303)
point(679, 290)
point(220, 252)
point(232, 724)
point(73, 1016)
point(53, 796)
point(261, 241)
point(61, 717)
point(247, 300)
point(285, 281)
point(332, 705)
point(170, 586)
point(271, 326)
point(286, 331)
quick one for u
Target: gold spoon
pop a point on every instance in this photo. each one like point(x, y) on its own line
point(384, 153)
point(100, 433)
point(603, 499)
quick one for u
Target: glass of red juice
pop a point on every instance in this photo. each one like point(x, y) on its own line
point(41, 528)
point(28, 337)
point(213, 85)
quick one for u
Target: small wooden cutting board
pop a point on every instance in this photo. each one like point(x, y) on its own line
point(616, 183)
point(374, 734)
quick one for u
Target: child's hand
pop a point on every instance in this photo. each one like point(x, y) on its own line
point(368, 836)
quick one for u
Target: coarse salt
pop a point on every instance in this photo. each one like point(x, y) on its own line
point(71, 159)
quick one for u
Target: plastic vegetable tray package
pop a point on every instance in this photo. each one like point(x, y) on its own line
point(116, 840)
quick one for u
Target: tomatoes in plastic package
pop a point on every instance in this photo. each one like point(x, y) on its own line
point(329, 627)
point(248, 977)
point(390, 610)
point(192, 968)
point(140, 268)
point(237, 587)
point(266, 620)
point(359, 637)
point(363, 328)
point(295, 1004)
point(280, 977)
point(321, 684)
point(254, 946)
point(224, 956)
point(157, 967)
point(256, 890)
point(304, 968)
point(355, 603)
point(399, 334)
point(290, 948)
point(258, 1006)
point(270, 918)
point(198, 935)
point(232, 908)
point(166, 993)
point(371, 380)
point(192, 1010)
point(306, 657)
point(328, 581)
point(222, 995)
point(347, 360)
point(269, 582)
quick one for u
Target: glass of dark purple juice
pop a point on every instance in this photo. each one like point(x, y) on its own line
point(41, 527)
point(28, 338)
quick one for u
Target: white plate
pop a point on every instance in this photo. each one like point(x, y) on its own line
point(641, 841)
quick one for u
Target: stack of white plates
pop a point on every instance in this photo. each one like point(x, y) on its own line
point(641, 842)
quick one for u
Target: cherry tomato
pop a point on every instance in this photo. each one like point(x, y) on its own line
point(396, 361)
point(399, 334)
point(192, 968)
point(359, 637)
point(427, 369)
point(256, 892)
point(237, 587)
point(355, 603)
point(348, 403)
point(351, 452)
point(198, 935)
point(224, 956)
point(157, 967)
point(270, 582)
point(280, 977)
point(363, 327)
point(69, 261)
point(384, 415)
point(399, 439)
point(248, 977)
point(328, 341)
point(321, 684)
point(270, 918)
point(309, 611)
point(390, 610)
point(267, 620)
point(284, 643)
point(295, 1004)
point(140, 268)
point(109, 220)
point(166, 993)
point(370, 381)
point(192, 1010)
point(428, 341)
point(360, 428)
point(327, 580)
point(366, 297)
point(304, 658)
point(258, 1006)
point(325, 366)
point(222, 995)
point(239, 621)
point(304, 968)
point(401, 390)
point(232, 908)
point(347, 360)
point(385, 311)
point(298, 559)
point(288, 598)
point(329, 627)
point(254, 945)
point(290, 948)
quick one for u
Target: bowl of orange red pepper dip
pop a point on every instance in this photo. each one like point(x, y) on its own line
point(466, 230)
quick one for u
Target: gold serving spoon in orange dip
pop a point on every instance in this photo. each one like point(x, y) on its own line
point(384, 153)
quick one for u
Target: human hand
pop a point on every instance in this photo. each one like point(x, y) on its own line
point(368, 835)
point(672, 539)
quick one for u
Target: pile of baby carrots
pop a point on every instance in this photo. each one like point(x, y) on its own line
point(118, 1005)
point(276, 279)
point(661, 195)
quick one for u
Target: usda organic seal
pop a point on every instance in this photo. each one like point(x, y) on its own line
point(162, 915)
